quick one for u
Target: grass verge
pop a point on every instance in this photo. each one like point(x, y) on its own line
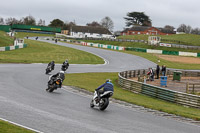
point(41, 52)
point(169, 64)
point(6, 127)
point(25, 34)
point(5, 40)
point(91, 81)
point(186, 39)
point(141, 45)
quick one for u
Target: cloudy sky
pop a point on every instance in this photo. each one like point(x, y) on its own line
point(161, 12)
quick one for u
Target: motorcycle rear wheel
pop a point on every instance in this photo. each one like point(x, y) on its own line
point(104, 105)
point(48, 71)
point(92, 104)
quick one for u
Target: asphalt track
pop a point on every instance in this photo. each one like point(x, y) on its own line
point(23, 100)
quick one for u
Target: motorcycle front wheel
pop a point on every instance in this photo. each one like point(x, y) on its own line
point(51, 89)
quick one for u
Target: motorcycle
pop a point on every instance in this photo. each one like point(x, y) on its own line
point(54, 83)
point(64, 67)
point(103, 102)
point(48, 69)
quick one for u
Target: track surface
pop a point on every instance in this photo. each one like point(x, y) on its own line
point(23, 100)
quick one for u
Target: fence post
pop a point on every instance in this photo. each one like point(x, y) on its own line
point(193, 89)
point(134, 73)
point(130, 74)
point(187, 87)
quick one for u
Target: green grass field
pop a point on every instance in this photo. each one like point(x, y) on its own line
point(41, 52)
point(6, 127)
point(169, 64)
point(5, 40)
point(90, 81)
point(25, 34)
point(186, 39)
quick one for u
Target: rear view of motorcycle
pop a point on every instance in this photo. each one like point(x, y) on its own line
point(48, 69)
point(65, 65)
point(103, 102)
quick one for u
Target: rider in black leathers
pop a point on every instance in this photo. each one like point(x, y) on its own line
point(65, 64)
point(52, 64)
point(61, 75)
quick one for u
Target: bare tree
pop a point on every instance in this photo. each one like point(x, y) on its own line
point(10, 21)
point(94, 24)
point(195, 31)
point(188, 29)
point(41, 22)
point(169, 27)
point(107, 23)
point(28, 20)
point(67, 25)
point(182, 28)
point(1, 21)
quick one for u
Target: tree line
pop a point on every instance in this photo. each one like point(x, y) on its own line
point(106, 22)
point(28, 20)
point(131, 19)
point(141, 19)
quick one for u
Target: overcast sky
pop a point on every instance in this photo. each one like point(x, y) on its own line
point(161, 12)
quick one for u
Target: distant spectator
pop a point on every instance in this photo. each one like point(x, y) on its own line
point(163, 70)
point(145, 80)
point(56, 40)
point(157, 71)
point(27, 37)
point(151, 74)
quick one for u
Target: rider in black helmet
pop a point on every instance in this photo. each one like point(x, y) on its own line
point(52, 64)
point(65, 64)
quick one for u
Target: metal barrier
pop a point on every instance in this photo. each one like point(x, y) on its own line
point(192, 87)
point(155, 91)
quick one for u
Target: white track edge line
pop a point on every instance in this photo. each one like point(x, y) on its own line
point(21, 125)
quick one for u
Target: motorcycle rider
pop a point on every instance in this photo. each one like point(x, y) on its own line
point(52, 64)
point(60, 74)
point(66, 64)
point(107, 86)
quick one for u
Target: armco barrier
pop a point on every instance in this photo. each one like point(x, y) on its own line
point(102, 46)
point(170, 52)
point(7, 48)
point(198, 54)
point(155, 91)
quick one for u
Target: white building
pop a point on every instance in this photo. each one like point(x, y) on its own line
point(90, 32)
